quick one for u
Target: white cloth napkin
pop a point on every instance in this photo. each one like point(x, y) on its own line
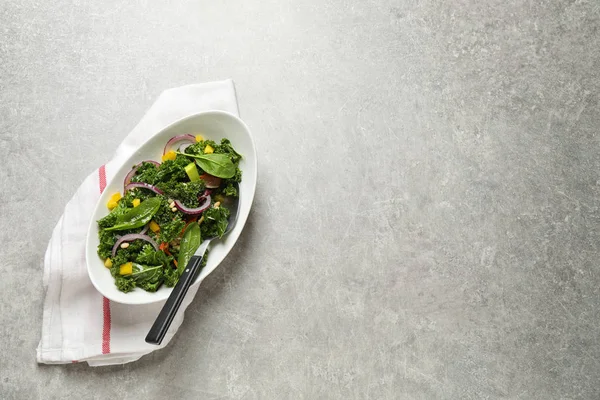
point(79, 324)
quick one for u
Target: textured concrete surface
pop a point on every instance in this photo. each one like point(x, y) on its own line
point(427, 218)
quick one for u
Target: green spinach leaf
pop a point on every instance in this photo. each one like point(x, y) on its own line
point(137, 216)
point(224, 147)
point(189, 244)
point(219, 165)
point(111, 218)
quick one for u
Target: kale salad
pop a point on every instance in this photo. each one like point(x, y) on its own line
point(165, 211)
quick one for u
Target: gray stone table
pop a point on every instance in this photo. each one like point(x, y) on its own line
point(427, 219)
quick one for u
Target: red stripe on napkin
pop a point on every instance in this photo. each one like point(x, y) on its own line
point(105, 301)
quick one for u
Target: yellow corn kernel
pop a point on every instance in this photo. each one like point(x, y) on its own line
point(116, 197)
point(199, 138)
point(126, 269)
point(108, 263)
point(154, 227)
point(136, 202)
point(169, 155)
point(111, 204)
point(208, 149)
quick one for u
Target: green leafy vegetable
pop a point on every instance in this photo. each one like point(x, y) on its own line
point(129, 254)
point(230, 185)
point(186, 192)
point(224, 147)
point(149, 256)
point(189, 244)
point(148, 278)
point(171, 276)
point(219, 165)
point(146, 173)
point(107, 241)
point(172, 170)
point(137, 216)
point(111, 218)
point(124, 284)
point(227, 186)
point(135, 193)
point(171, 230)
point(215, 222)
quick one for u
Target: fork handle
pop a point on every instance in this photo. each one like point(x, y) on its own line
point(165, 317)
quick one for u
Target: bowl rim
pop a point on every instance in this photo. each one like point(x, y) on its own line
point(241, 218)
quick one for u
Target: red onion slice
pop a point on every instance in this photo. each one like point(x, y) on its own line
point(131, 173)
point(130, 238)
point(143, 185)
point(143, 231)
point(178, 138)
point(193, 211)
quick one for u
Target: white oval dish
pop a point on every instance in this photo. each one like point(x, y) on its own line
point(212, 125)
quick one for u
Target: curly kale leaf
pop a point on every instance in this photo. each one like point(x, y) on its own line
point(198, 148)
point(164, 214)
point(230, 190)
point(107, 241)
point(172, 170)
point(111, 218)
point(125, 284)
point(147, 173)
point(129, 254)
point(148, 278)
point(171, 276)
point(226, 148)
point(149, 256)
point(186, 192)
point(229, 187)
point(172, 229)
point(171, 223)
point(215, 222)
point(137, 193)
